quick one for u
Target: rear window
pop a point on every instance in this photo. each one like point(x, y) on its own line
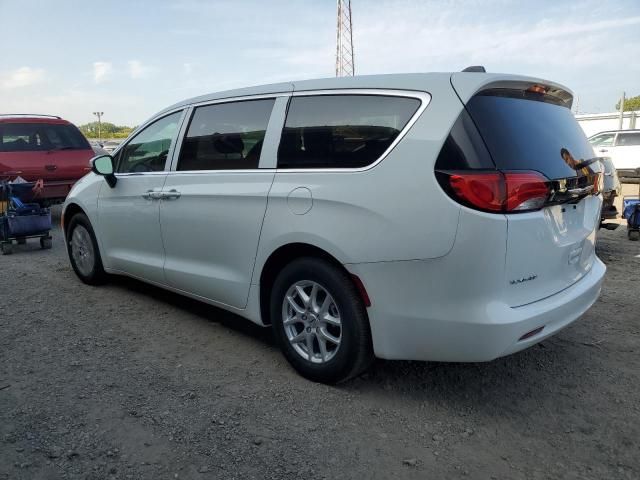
point(525, 134)
point(29, 137)
point(342, 131)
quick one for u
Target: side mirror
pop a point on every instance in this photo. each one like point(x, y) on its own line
point(103, 165)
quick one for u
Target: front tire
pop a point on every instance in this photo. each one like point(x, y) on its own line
point(82, 248)
point(320, 322)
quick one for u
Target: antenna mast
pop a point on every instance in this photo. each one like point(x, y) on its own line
point(344, 46)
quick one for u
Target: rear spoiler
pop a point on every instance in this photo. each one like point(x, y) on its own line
point(468, 84)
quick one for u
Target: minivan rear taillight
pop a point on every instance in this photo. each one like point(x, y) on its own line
point(496, 191)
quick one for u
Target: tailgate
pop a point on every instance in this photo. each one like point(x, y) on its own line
point(550, 250)
point(528, 126)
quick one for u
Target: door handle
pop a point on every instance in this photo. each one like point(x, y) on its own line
point(152, 195)
point(171, 194)
point(51, 168)
point(604, 150)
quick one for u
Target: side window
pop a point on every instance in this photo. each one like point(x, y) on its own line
point(342, 131)
point(628, 139)
point(225, 136)
point(148, 150)
point(604, 140)
point(21, 137)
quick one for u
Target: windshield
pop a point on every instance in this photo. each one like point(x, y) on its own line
point(29, 137)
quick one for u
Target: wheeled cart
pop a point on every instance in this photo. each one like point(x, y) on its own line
point(20, 221)
point(631, 211)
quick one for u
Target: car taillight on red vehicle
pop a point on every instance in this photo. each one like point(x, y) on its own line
point(498, 191)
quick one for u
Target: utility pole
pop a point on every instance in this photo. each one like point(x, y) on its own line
point(99, 115)
point(345, 65)
point(621, 111)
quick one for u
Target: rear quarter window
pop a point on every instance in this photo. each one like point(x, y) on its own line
point(342, 131)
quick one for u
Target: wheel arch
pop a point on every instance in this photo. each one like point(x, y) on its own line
point(285, 254)
point(70, 210)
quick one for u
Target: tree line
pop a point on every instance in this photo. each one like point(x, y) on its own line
point(107, 130)
point(632, 103)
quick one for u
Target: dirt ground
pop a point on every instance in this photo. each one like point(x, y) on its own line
point(128, 381)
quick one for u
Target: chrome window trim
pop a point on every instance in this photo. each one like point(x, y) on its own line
point(137, 174)
point(424, 97)
point(168, 162)
point(260, 96)
point(227, 171)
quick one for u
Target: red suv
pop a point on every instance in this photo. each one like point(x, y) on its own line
point(43, 147)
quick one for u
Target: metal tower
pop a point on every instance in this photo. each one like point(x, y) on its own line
point(344, 46)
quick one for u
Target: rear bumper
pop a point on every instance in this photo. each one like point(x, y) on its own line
point(407, 324)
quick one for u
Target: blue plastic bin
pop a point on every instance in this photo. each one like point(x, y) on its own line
point(26, 225)
point(631, 211)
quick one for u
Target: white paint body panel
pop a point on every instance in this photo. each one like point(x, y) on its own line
point(437, 273)
point(211, 232)
point(129, 227)
point(624, 157)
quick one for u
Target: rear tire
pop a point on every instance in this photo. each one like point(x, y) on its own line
point(83, 251)
point(633, 235)
point(45, 243)
point(320, 322)
point(6, 248)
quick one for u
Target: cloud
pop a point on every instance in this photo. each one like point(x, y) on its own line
point(450, 38)
point(77, 104)
point(21, 77)
point(102, 71)
point(137, 69)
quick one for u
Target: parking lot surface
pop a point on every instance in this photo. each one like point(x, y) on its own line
point(130, 381)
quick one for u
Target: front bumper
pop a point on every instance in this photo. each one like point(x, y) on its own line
point(456, 330)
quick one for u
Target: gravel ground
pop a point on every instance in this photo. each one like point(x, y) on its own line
point(129, 381)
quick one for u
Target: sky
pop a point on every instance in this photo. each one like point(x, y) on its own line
point(131, 58)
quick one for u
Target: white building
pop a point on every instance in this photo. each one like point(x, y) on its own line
point(593, 123)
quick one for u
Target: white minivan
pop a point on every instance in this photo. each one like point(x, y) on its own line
point(439, 216)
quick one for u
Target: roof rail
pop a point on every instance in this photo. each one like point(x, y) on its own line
point(475, 68)
point(28, 115)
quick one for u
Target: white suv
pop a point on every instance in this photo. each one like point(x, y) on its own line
point(622, 146)
point(447, 217)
